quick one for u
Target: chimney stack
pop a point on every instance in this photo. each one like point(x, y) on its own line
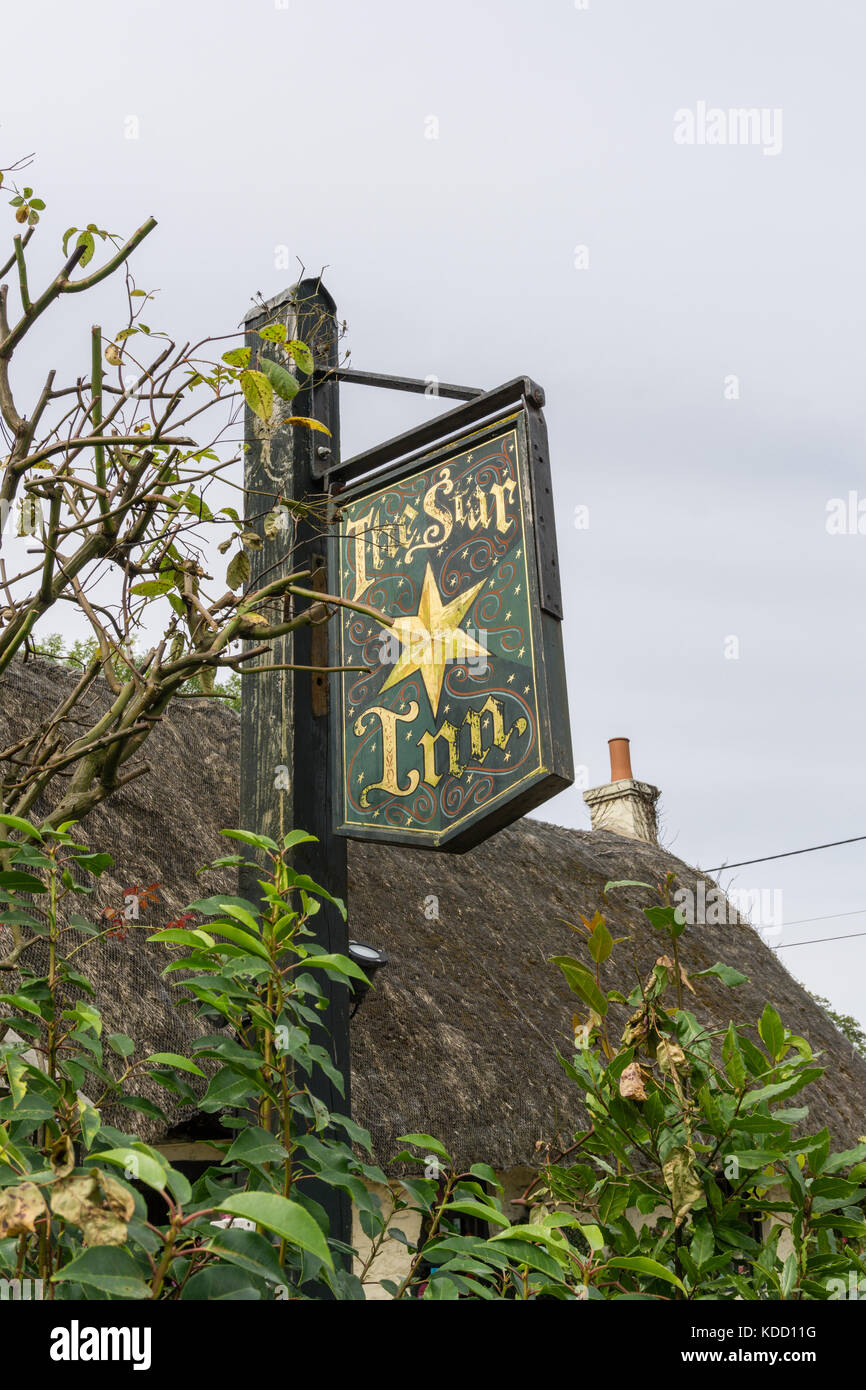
point(624, 805)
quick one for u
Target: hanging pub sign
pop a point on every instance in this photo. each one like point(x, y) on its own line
point(452, 719)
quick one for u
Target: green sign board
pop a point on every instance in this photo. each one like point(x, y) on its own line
point(452, 719)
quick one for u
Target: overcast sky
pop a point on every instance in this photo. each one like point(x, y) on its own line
point(501, 189)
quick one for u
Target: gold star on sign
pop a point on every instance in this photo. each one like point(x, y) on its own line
point(432, 638)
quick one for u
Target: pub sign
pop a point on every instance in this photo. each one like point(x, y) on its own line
point(452, 722)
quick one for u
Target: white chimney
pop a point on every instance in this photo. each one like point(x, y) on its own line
point(624, 805)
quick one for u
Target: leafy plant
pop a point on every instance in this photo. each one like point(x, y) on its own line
point(693, 1167)
point(72, 1209)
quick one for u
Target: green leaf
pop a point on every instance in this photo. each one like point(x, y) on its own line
point(522, 1252)
point(726, 973)
point(779, 1089)
point(86, 240)
point(344, 965)
point(640, 1264)
point(242, 916)
point(255, 1146)
point(486, 1174)
point(95, 864)
point(20, 1001)
point(593, 1235)
point(173, 1059)
point(111, 1270)
point(285, 1218)
point(626, 883)
point(772, 1033)
point(137, 1160)
point(600, 943)
point(248, 837)
point(258, 393)
point(250, 1251)
point(238, 572)
point(248, 943)
point(735, 1067)
point(425, 1141)
point(274, 333)
point(297, 837)
point(218, 1283)
point(121, 1044)
point(238, 357)
point(581, 982)
point(284, 384)
point(24, 826)
point(152, 588)
point(665, 919)
point(182, 937)
point(845, 1159)
point(227, 1088)
point(752, 1159)
point(20, 882)
point(481, 1212)
point(789, 1270)
point(302, 355)
point(703, 1244)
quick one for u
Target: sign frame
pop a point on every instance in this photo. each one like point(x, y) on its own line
point(554, 769)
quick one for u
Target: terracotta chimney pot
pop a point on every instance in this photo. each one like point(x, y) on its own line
point(620, 760)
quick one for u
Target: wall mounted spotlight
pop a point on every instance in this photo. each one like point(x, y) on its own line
point(370, 960)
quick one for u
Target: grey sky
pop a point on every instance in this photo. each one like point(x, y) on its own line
point(261, 127)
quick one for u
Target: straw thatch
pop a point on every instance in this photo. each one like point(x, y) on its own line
point(458, 1037)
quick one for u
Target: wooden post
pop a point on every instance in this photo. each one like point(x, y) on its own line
point(285, 738)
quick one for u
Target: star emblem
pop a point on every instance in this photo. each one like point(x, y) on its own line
point(432, 638)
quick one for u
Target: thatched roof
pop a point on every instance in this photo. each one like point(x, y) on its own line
point(458, 1037)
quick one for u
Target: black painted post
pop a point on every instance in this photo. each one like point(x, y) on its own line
point(285, 730)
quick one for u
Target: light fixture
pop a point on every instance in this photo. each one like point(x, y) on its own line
point(370, 960)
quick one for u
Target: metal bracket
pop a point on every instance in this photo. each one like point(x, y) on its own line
point(487, 403)
point(429, 386)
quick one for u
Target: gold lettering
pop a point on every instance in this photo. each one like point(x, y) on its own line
point(389, 719)
point(495, 709)
point(499, 491)
point(405, 526)
point(439, 533)
point(428, 742)
point(473, 519)
point(357, 532)
point(382, 543)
